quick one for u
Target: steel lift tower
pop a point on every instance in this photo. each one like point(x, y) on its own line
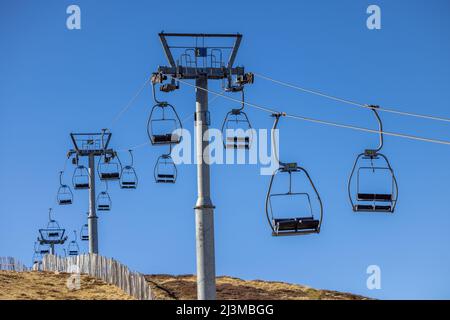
point(91, 145)
point(200, 58)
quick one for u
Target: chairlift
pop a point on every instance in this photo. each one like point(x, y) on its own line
point(236, 127)
point(165, 170)
point(108, 168)
point(80, 179)
point(305, 222)
point(365, 190)
point(128, 176)
point(104, 200)
point(162, 123)
point(84, 232)
point(37, 258)
point(64, 195)
point(73, 248)
point(53, 233)
point(43, 249)
point(38, 253)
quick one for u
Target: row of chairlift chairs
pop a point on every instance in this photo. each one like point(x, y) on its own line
point(109, 168)
point(368, 165)
point(164, 123)
point(164, 129)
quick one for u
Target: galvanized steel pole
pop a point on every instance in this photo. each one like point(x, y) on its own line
point(204, 209)
point(92, 218)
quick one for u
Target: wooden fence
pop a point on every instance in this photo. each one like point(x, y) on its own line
point(11, 264)
point(106, 269)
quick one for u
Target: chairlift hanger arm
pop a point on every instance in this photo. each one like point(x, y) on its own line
point(131, 157)
point(380, 127)
point(60, 178)
point(158, 102)
point(50, 214)
point(243, 99)
point(274, 127)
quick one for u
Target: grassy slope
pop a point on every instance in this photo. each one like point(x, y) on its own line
point(51, 286)
point(184, 288)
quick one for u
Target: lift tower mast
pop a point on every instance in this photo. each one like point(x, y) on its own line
point(201, 61)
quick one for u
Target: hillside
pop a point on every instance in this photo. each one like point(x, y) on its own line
point(52, 286)
point(228, 288)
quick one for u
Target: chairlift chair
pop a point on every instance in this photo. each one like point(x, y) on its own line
point(128, 176)
point(84, 232)
point(73, 248)
point(43, 249)
point(80, 179)
point(165, 170)
point(236, 127)
point(108, 168)
point(64, 195)
point(53, 233)
point(162, 123)
point(104, 200)
point(304, 223)
point(37, 258)
point(38, 252)
point(371, 163)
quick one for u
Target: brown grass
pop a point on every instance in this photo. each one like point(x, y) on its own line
point(52, 286)
point(183, 287)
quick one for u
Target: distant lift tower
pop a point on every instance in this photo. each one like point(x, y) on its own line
point(92, 145)
point(201, 57)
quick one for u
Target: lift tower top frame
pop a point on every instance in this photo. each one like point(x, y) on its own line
point(202, 62)
point(91, 145)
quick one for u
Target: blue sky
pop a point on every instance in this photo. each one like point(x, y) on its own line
point(54, 81)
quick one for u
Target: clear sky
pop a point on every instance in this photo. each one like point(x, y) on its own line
point(54, 81)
